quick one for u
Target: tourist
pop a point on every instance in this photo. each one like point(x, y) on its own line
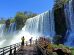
point(22, 41)
point(36, 41)
point(30, 41)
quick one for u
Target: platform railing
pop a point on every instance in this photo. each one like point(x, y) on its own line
point(10, 50)
point(41, 51)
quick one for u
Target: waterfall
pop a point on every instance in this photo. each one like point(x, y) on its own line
point(70, 23)
point(40, 25)
point(2, 26)
point(6, 34)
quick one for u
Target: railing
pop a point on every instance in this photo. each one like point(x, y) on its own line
point(41, 51)
point(9, 50)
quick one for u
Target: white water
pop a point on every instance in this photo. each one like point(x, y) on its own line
point(70, 23)
point(41, 25)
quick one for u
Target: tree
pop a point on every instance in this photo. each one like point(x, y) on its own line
point(21, 18)
point(2, 21)
point(12, 20)
point(60, 3)
point(60, 19)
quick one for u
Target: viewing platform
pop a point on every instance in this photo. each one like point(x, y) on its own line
point(18, 49)
point(27, 50)
point(35, 48)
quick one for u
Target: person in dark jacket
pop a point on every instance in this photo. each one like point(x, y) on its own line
point(30, 41)
point(22, 41)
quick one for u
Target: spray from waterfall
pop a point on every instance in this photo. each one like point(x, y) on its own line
point(40, 25)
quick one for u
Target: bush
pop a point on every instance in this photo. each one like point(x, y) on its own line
point(21, 18)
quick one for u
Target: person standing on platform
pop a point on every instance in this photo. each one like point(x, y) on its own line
point(23, 39)
point(30, 41)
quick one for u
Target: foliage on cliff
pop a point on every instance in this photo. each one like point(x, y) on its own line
point(52, 49)
point(60, 19)
point(60, 3)
point(21, 18)
point(2, 21)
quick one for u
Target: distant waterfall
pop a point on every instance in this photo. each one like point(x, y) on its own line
point(2, 27)
point(70, 23)
point(6, 34)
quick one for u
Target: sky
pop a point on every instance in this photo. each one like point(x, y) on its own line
point(8, 8)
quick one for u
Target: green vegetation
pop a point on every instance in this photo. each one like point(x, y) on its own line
point(72, 51)
point(60, 19)
point(54, 48)
point(60, 3)
point(2, 21)
point(12, 20)
point(20, 19)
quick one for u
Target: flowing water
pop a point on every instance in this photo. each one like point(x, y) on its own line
point(70, 23)
point(41, 25)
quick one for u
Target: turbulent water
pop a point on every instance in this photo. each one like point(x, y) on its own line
point(70, 23)
point(41, 25)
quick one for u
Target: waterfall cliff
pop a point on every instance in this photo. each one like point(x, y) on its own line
point(40, 25)
point(45, 24)
point(69, 11)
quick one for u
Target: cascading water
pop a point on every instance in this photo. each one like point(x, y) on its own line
point(41, 25)
point(70, 23)
point(6, 34)
point(2, 26)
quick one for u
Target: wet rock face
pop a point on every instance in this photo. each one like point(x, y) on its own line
point(7, 23)
point(73, 5)
point(60, 22)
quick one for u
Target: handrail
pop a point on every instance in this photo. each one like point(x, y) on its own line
point(43, 51)
point(12, 48)
point(9, 49)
